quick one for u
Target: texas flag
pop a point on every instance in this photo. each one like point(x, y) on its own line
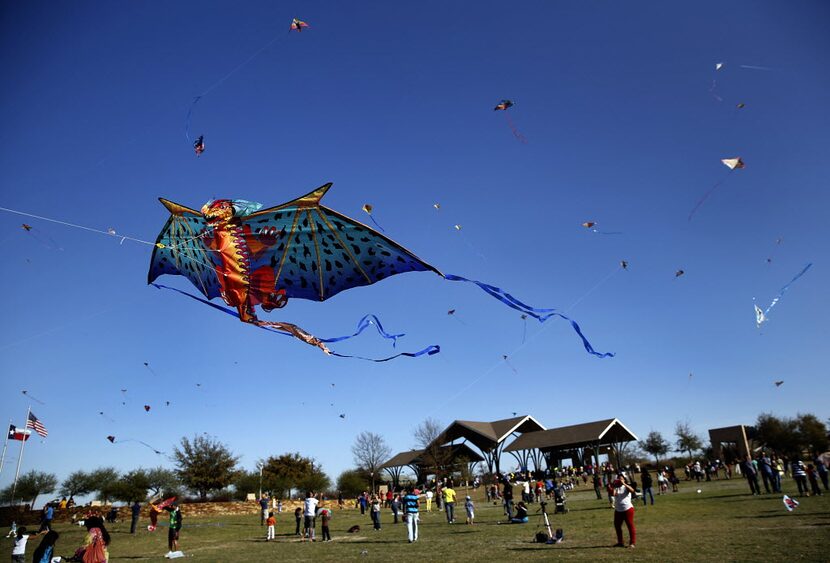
point(16, 433)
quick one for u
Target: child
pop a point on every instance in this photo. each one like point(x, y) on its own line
point(46, 549)
point(325, 516)
point(19, 549)
point(470, 507)
point(270, 522)
point(298, 516)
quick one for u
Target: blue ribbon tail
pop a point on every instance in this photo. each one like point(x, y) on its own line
point(541, 314)
point(364, 323)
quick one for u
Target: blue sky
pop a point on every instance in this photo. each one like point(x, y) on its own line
point(393, 103)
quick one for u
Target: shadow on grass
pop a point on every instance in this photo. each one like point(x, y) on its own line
point(538, 547)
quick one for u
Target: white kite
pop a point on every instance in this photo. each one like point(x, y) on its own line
point(733, 163)
point(790, 503)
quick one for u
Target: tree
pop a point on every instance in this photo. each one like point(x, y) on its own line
point(434, 458)
point(35, 483)
point(687, 440)
point(370, 451)
point(105, 481)
point(352, 482)
point(281, 474)
point(204, 464)
point(778, 434)
point(163, 482)
point(245, 482)
point(132, 486)
point(655, 445)
point(812, 433)
point(76, 484)
point(316, 480)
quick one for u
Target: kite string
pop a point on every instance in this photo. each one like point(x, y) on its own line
point(707, 194)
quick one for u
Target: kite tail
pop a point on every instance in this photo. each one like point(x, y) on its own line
point(288, 329)
point(189, 118)
point(786, 287)
point(516, 133)
point(294, 331)
point(363, 324)
point(541, 314)
point(707, 194)
point(377, 224)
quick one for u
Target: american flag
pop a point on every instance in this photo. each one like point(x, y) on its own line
point(33, 422)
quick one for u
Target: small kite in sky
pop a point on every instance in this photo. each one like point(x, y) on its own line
point(199, 145)
point(147, 365)
point(367, 207)
point(623, 264)
point(503, 105)
point(111, 439)
point(146, 408)
point(507, 361)
point(297, 25)
point(733, 164)
point(437, 206)
point(718, 66)
point(779, 383)
point(300, 249)
point(741, 105)
point(679, 273)
point(343, 415)
point(591, 224)
point(761, 315)
point(457, 227)
point(26, 227)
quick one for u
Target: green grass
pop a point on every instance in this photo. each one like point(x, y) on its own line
point(723, 523)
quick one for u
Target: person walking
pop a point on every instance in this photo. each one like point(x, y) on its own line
point(765, 465)
point(135, 512)
point(469, 507)
point(623, 510)
point(429, 494)
point(410, 510)
point(812, 477)
point(645, 476)
point(449, 503)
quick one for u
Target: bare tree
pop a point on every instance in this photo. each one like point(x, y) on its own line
point(370, 451)
point(427, 432)
point(436, 459)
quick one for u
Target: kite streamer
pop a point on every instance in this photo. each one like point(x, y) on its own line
point(114, 440)
point(761, 314)
point(278, 329)
point(540, 314)
point(731, 163)
point(363, 324)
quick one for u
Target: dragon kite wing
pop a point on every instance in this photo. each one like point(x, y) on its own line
point(179, 250)
point(316, 252)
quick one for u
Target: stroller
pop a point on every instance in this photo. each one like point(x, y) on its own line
point(560, 501)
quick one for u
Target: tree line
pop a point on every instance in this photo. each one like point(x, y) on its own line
point(790, 437)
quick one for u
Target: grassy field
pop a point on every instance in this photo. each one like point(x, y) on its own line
point(722, 523)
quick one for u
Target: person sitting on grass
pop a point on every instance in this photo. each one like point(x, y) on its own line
point(521, 514)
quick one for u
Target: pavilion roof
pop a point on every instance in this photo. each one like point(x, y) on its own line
point(606, 431)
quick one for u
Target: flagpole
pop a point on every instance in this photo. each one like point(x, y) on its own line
point(20, 459)
point(5, 446)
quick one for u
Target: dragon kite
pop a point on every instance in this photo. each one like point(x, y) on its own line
point(251, 256)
